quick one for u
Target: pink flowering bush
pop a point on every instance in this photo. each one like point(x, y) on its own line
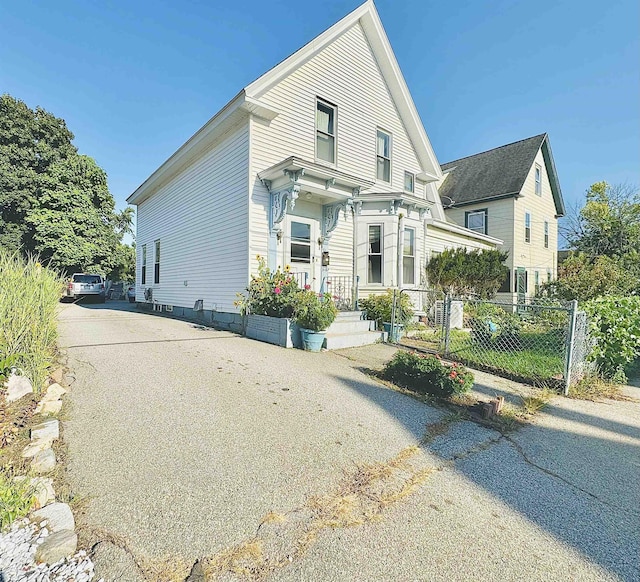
point(428, 374)
point(272, 293)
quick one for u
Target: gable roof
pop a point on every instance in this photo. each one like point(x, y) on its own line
point(248, 100)
point(499, 173)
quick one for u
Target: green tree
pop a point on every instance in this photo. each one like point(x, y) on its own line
point(464, 272)
point(605, 237)
point(54, 201)
point(125, 264)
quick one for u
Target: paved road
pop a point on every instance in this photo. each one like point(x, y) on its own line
point(184, 438)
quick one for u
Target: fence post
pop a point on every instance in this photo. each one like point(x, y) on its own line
point(570, 345)
point(447, 322)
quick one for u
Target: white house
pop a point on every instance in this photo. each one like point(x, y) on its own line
point(513, 193)
point(321, 164)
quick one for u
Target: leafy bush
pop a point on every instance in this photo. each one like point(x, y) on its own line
point(428, 374)
point(379, 307)
point(493, 327)
point(615, 325)
point(16, 500)
point(29, 297)
point(270, 293)
point(314, 312)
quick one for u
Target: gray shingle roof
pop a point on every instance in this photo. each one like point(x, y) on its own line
point(497, 173)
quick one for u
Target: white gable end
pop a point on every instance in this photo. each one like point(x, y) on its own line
point(346, 74)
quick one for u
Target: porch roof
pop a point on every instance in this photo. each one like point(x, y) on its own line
point(405, 198)
point(313, 177)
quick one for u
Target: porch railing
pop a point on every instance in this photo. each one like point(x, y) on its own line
point(301, 278)
point(342, 291)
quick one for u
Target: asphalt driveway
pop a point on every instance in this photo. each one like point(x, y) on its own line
point(183, 438)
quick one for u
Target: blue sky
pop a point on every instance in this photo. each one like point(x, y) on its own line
point(134, 80)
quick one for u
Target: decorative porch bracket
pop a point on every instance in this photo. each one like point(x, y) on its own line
point(331, 216)
point(282, 201)
point(394, 206)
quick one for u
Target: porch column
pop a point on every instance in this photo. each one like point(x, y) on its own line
point(282, 201)
point(400, 254)
point(330, 217)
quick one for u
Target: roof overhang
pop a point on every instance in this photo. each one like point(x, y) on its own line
point(461, 230)
point(232, 113)
point(477, 201)
point(553, 177)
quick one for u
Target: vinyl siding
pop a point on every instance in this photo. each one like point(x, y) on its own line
point(201, 219)
point(347, 75)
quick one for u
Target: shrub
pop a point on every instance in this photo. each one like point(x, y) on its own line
point(29, 297)
point(427, 374)
point(379, 307)
point(314, 312)
point(495, 328)
point(615, 325)
point(270, 293)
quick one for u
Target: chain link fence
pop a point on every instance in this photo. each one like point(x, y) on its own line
point(531, 341)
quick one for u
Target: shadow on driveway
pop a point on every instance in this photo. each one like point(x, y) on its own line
point(570, 475)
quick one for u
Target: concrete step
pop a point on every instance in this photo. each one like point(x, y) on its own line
point(341, 326)
point(349, 316)
point(336, 341)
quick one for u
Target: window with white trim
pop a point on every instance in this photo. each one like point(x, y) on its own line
point(300, 242)
point(144, 264)
point(538, 180)
point(546, 234)
point(527, 227)
point(409, 182)
point(325, 131)
point(374, 270)
point(537, 281)
point(476, 220)
point(383, 150)
point(409, 257)
point(156, 270)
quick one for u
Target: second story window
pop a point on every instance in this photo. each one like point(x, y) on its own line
point(383, 150)
point(144, 264)
point(527, 227)
point(476, 220)
point(546, 234)
point(538, 180)
point(409, 182)
point(325, 132)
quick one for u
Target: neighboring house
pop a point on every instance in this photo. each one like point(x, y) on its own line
point(321, 164)
point(512, 193)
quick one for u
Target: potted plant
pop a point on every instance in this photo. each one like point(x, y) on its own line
point(313, 315)
point(379, 307)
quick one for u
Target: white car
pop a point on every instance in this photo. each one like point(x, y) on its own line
point(84, 285)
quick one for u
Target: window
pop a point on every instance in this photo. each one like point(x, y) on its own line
point(527, 227)
point(384, 156)
point(546, 234)
point(476, 220)
point(156, 271)
point(537, 281)
point(409, 182)
point(144, 264)
point(548, 275)
point(300, 242)
point(325, 132)
point(409, 256)
point(505, 287)
point(374, 274)
point(538, 181)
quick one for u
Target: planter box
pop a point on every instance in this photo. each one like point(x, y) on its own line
point(273, 330)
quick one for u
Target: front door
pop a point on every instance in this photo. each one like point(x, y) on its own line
point(301, 250)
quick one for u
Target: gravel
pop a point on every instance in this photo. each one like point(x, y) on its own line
point(17, 558)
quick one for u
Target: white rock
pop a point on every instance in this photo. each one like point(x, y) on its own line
point(42, 489)
point(44, 462)
point(49, 429)
point(17, 387)
point(47, 407)
point(54, 391)
point(58, 516)
point(57, 546)
point(32, 449)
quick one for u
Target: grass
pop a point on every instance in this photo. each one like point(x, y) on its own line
point(540, 360)
point(594, 388)
point(16, 499)
point(29, 297)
